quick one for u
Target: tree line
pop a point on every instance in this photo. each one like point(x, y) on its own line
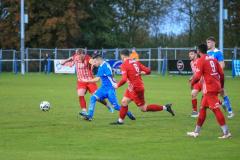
point(116, 23)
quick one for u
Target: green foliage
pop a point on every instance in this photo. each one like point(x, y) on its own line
point(116, 23)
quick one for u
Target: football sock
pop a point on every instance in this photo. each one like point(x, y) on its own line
point(91, 108)
point(220, 102)
point(117, 107)
point(225, 129)
point(219, 116)
point(82, 102)
point(227, 103)
point(197, 129)
point(194, 104)
point(154, 108)
point(201, 117)
point(123, 112)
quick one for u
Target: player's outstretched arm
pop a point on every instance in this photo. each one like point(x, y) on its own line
point(94, 80)
point(63, 62)
point(122, 81)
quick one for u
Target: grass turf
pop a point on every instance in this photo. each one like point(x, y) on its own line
point(29, 134)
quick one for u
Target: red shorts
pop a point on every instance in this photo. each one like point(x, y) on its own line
point(210, 100)
point(91, 87)
point(136, 96)
point(197, 86)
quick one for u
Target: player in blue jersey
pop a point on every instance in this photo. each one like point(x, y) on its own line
point(106, 89)
point(217, 54)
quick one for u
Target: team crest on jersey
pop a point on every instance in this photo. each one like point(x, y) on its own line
point(81, 65)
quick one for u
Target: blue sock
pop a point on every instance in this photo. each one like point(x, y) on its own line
point(227, 103)
point(117, 107)
point(129, 113)
point(92, 106)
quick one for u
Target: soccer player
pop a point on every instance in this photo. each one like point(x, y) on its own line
point(193, 56)
point(83, 63)
point(213, 81)
point(131, 73)
point(214, 52)
point(106, 90)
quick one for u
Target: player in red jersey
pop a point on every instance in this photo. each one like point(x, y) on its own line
point(213, 82)
point(131, 73)
point(84, 66)
point(193, 56)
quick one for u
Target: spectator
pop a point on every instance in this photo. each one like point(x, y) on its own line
point(134, 55)
point(45, 63)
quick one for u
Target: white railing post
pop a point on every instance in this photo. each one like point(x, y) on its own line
point(149, 57)
point(159, 59)
point(26, 59)
point(40, 60)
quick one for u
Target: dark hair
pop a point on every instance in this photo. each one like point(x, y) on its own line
point(125, 52)
point(80, 51)
point(98, 55)
point(211, 38)
point(203, 48)
point(193, 50)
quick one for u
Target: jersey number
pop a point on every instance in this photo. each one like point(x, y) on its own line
point(136, 67)
point(213, 66)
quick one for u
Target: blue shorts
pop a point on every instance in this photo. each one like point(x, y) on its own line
point(108, 93)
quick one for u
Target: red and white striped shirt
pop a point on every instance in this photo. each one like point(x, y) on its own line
point(83, 67)
point(194, 65)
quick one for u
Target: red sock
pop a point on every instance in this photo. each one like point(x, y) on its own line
point(201, 117)
point(194, 104)
point(123, 112)
point(154, 108)
point(220, 102)
point(219, 116)
point(82, 102)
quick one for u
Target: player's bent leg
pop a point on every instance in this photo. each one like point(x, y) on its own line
point(124, 111)
point(91, 108)
point(156, 108)
point(227, 103)
point(194, 94)
point(92, 88)
point(221, 121)
point(82, 102)
point(200, 121)
point(124, 103)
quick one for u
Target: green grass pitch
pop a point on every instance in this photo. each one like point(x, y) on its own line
point(26, 133)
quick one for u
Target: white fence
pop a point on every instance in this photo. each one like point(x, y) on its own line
point(152, 57)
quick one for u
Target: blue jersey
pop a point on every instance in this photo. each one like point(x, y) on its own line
point(106, 75)
point(217, 54)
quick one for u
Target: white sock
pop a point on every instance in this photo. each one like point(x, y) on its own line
point(164, 108)
point(225, 129)
point(84, 110)
point(120, 120)
point(197, 129)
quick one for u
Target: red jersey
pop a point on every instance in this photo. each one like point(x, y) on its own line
point(212, 74)
point(131, 73)
point(194, 65)
point(83, 67)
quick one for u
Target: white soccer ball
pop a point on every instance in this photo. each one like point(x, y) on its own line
point(45, 106)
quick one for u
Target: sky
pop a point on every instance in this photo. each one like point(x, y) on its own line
point(174, 22)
